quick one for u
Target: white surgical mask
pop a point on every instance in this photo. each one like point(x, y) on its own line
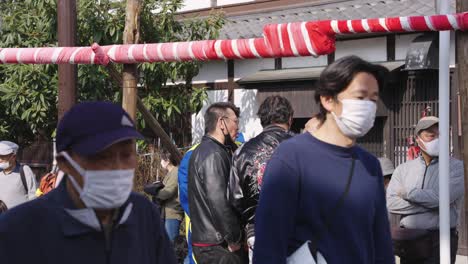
point(102, 189)
point(4, 165)
point(164, 164)
point(431, 147)
point(357, 117)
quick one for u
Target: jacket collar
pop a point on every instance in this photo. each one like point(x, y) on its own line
point(423, 161)
point(210, 138)
point(274, 128)
point(74, 226)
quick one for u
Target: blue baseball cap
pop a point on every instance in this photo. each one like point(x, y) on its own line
point(90, 127)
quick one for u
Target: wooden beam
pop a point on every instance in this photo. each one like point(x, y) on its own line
point(231, 83)
point(158, 130)
point(462, 69)
point(67, 74)
point(150, 120)
point(130, 72)
point(391, 47)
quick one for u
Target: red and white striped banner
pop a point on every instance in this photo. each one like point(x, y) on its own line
point(312, 38)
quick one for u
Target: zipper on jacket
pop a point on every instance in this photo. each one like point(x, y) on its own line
point(108, 231)
point(424, 177)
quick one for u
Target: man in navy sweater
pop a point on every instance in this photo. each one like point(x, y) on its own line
point(92, 217)
point(304, 195)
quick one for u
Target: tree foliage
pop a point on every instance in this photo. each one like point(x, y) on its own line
point(28, 93)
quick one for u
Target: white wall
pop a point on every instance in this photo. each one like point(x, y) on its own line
point(303, 62)
point(372, 49)
point(212, 71)
point(190, 5)
point(198, 122)
point(244, 68)
point(249, 123)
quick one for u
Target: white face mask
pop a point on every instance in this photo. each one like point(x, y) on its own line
point(102, 189)
point(357, 117)
point(4, 165)
point(431, 147)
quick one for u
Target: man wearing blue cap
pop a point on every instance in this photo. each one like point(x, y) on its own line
point(92, 216)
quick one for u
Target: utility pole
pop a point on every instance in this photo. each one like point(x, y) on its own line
point(66, 72)
point(130, 71)
point(462, 69)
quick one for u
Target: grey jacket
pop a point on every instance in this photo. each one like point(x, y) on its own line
point(413, 193)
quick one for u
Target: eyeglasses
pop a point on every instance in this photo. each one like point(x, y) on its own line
point(234, 120)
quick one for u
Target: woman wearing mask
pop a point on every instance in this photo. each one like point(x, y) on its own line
point(323, 188)
point(169, 196)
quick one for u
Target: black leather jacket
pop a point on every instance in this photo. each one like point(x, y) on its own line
point(248, 166)
point(214, 220)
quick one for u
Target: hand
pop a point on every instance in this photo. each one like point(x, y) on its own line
point(234, 247)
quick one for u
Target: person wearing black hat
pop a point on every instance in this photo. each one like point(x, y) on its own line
point(413, 194)
point(92, 216)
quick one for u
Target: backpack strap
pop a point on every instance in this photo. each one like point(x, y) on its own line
point(23, 179)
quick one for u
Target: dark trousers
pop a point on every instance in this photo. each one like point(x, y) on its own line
point(434, 258)
point(218, 255)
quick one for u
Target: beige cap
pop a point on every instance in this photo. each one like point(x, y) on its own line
point(425, 123)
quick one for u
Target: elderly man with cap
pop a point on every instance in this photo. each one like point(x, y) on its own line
point(413, 194)
point(17, 182)
point(92, 216)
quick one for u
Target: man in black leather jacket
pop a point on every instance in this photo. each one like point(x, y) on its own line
point(250, 160)
point(216, 231)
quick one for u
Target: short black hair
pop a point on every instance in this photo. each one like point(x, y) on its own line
point(167, 156)
point(275, 109)
point(336, 77)
point(215, 111)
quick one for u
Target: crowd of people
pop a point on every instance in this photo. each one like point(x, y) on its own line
point(316, 197)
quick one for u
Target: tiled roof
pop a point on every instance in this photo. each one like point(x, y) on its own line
point(249, 26)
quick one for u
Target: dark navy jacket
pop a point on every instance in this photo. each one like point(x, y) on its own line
point(41, 231)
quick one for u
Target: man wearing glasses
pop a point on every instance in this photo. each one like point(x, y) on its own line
point(216, 233)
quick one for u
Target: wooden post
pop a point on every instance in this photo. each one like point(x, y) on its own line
point(130, 73)
point(462, 69)
point(66, 14)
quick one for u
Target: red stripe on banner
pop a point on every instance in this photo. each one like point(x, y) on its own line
point(152, 52)
point(357, 26)
point(183, 51)
point(324, 25)
point(197, 49)
point(418, 23)
point(244, 49)
point(343, 26)
point(322, 42)
point(84, 56)
point(462, 20)
point(299, 39)
point(394, 24)
point(121, 54)
point(44, 56)
point(27, 56)
point(166, 51)
point(440, 22)
point(137, 53)
point(226, 48)
point(287, 51)
point(263, 50)
point(208, 47)
point(64, 55)
point(10, 55)
point(375, 26)
point(272, 38)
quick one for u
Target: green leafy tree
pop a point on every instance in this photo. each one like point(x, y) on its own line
point(28, 93)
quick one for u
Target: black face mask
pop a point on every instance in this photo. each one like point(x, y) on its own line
point(228, 142)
